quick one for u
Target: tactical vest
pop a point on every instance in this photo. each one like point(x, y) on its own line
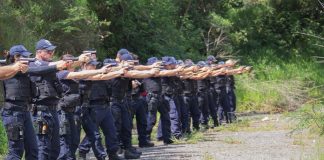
point(168, 86)
point(48, 86)
point(153, 85)
point(189, 86)
point(220, 81)
point(85, 91)
point(18, 88)
point(230, 81)
point(202, 85)
point(119, 87)
point(178, 84)
point(100, 91)
point(71, 96)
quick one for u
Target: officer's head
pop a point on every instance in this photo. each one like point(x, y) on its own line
point(188, 62)
point(91, 65)
point(67, 56)
point(201, 64)
point(126, 57)
point(120, 53)
point(16, 52)
point(170, 62)
point(152, 60)
point(45, 50)
point(93, 53)
point(211, 59)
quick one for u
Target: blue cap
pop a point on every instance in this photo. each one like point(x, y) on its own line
point(221, 62)
point(180, 62)
point(93, 62)
point(152, 60)
point(19, 49)
point(123, 51)
point(201, 64)
point(126, 57)
point(169, 60)
point(45, 44)
point(189, 63)
point(211, 58)
point(109, 60)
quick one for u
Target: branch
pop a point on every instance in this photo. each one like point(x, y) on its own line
point(311, 35)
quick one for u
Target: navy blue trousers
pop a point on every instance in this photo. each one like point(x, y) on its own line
point(49, 142)
point(139, 110)
point(18, 144)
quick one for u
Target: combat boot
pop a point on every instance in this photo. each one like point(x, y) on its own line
point(131, 155)
point(114, 156)
point(146, 144)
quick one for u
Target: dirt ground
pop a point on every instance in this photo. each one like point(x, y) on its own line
point(257, 137)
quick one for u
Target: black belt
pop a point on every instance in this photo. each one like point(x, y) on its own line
point(17, 107)
point(68, 109)
point(101, 102)
point(46, 107)
point(114, 99)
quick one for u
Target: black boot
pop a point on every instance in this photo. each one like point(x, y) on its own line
point(114, 156)
point(134, 150)
point(131, 155)
point(146, 144)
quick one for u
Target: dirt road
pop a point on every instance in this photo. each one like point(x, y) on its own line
point(261, 137)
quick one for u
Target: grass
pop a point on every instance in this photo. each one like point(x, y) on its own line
point(232, 140)
point(208, 156)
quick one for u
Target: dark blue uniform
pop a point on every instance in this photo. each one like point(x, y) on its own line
point(99, 99)
point(203, 101)
point(213, 100)
point(190, 101)
point(139, 110)
point(88, 121)
point(18, 93)
point(156, 102)
point(168, 92)
point(223, 106)
point(66, 109)
point(230, 90)
point(121, 111)
point(45, 116)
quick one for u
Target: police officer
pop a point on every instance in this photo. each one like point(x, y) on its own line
point(139, 110)
point(190, 101)
point(230, 90)
point(67, 105)
point(203, 97)
point(97, 113)
point(156, 103)
point(18, 93)
point(49, 91)
point(168, 92)
point(121, 112)
point(223, 106)
point(212, 95)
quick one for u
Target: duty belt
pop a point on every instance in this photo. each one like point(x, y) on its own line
point(119, 100)
point(99, 102)
point(46, 107)
point(17, 107)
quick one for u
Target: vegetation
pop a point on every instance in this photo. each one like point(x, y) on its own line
point(278, 37)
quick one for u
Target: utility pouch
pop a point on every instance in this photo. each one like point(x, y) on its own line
point(64, 125)
point(15, 132)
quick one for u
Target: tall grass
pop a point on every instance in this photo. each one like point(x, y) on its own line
point(279, 85)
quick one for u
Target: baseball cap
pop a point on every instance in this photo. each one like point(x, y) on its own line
point(123, 51)
point(152, 60)
point(211, 58)
point(45, 44)
point(126, 57)
point(19, 49)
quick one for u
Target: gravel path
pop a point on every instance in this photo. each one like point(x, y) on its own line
point(263, 137)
